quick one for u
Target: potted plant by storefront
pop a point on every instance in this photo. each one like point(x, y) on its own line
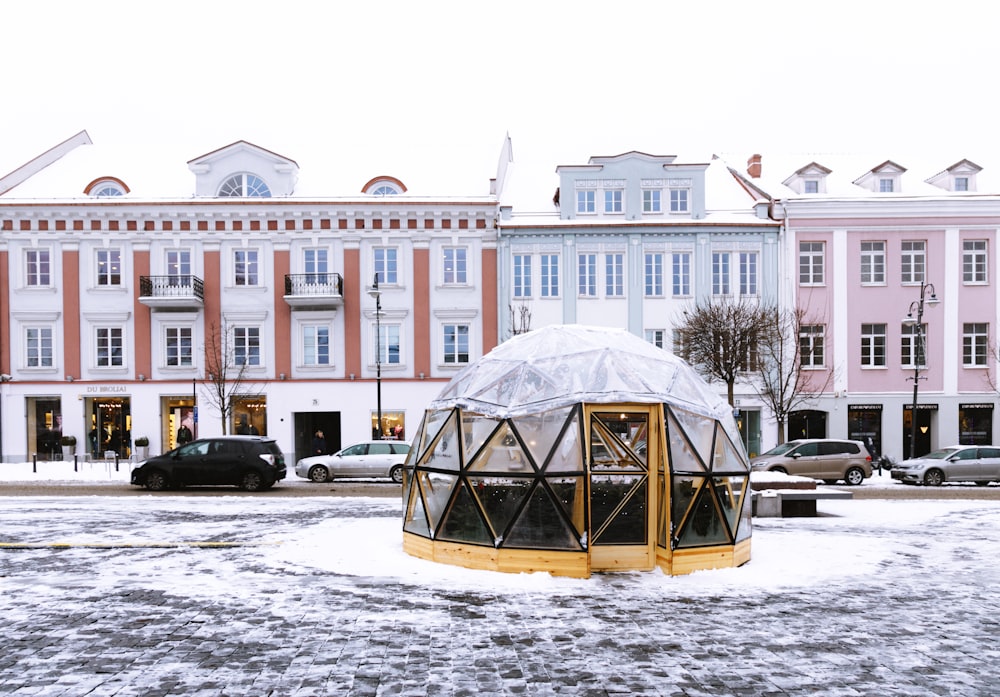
point(68, 444)
point(142, 447)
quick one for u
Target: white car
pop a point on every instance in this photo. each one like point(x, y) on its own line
point(374, 458)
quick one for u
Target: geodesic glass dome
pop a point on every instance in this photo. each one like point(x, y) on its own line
point(574, 449)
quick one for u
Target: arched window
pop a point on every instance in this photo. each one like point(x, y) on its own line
point(246, 184)
point(383, 186)
point(108, 190)
point(385, 190)
point(106, 186)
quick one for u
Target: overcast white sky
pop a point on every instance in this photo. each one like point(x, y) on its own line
point(407, 88)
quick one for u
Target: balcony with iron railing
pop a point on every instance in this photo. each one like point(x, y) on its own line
point(172, 292)
point(315, 291)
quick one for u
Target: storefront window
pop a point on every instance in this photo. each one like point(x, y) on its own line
point(44, 427)
point(975, 424)
point(109, 431)
point(249, 416)
point(393, 425)
point(864, 423)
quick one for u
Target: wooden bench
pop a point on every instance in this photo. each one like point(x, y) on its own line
point(792, 503)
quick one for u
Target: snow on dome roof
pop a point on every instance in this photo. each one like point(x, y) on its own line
point(561, 365)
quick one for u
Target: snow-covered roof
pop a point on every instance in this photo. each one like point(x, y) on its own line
point(561, 365)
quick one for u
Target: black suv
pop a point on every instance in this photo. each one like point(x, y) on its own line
point(249, 462)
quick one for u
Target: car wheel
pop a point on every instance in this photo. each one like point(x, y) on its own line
point(854, 476)
point(934, 477)
point(397, 474)
point(318, 474)
point(779, 470)
point(157, 481)
point(252, 481)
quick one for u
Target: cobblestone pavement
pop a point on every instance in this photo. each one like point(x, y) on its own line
point(137, 616)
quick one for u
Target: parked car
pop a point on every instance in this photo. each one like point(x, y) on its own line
point(956, 463)
point(374, 458)
point(821, 458)
point(249, 462)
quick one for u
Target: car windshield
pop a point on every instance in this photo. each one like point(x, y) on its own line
point(781, 449)
point(943, 454)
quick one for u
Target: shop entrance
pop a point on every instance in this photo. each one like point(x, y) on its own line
point(45, 427)
point(620, 452)
point(109, 433)
point(925, 431)
point(178, 425)
point(306, 425)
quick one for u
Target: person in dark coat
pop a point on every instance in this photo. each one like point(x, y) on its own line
point(183, 435)
point(319, 444)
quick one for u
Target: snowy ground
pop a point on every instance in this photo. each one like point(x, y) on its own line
point(233, 595)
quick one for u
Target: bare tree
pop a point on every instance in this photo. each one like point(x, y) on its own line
point(520, 319)
point(719, 338)
point(783, 385)
point(226, 373)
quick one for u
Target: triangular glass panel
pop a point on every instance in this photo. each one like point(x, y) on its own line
point(745, 528)
point(436, 488)
point(682, 457)
point(608, 492)
point(476, 429)
point(445, 451)
point(541, 525)
point(700, 431)
point(629, 524)
point(630, 428)
point(703, 524)
point(607, 452)
point(572, 494)
point(502, 454)
point(726, 457)
point(415, 520)
point(500, 499)
point(463, 521)
point(540, 431)
point(567, 456)
point(683, 490)
point(730, 493)
point(431, 426)
point(662, 513)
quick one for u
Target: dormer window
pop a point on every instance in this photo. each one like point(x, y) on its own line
point(960, 177)
point(884, 179)
point(383, 186)
point(810, 186)
point(244, 185)
point(961, 183)
point(810, 179)
point(885, 185)
point(105, 187)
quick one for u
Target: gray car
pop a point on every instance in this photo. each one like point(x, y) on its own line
point(828, 459)
point(956, 463)
point(375, 458)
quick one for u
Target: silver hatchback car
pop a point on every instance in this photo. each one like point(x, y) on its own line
point(956, 463)
point(821, 458)
point(376, 458)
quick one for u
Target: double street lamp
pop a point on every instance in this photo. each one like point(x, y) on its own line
point(377, 294)
point(919, 351)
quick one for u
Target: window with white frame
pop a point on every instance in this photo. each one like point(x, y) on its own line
point(975, 344)
point(550, 275)
point(748, 273)
point(913, 261)
point(110, 347)
point(246, 267)
point(586, 201)
point(316, 266)
point(811, 263)
point(652, 201)
point(246, 346)
point(811, 345)
point(749, 363)
point(614, 201)
point(587, 275)
point(873, 263)
point(653, 273)
point(179, 267)
point(178, 348)
point(522, 276)
point(455, 266)
point(886, 185)
point(974, 261)
point(38, 268)
point(911, 346)
point(680, 273)
point(657, 337)
point(109, 267)
point(873, 345)
point(961, 184)
point(720, 273)
point(38, 347)
point(246, 184)
point(387, 338)
point(456, 343)
point(679, 200)
point(810, 186)
point(680, 344)
point(386, 264)
point(614, 275)
point(315, 344)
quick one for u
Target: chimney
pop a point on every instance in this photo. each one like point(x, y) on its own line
point(753, 166)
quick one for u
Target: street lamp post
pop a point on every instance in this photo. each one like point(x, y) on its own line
point(377, 294)
point(919, 352)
